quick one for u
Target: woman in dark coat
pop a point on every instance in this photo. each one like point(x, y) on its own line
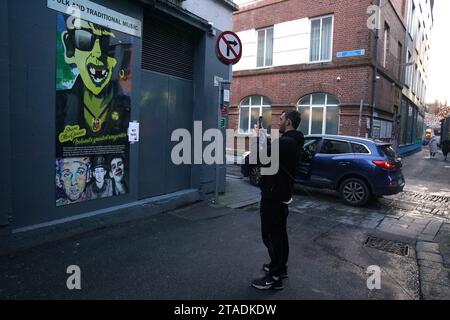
point(445, 148)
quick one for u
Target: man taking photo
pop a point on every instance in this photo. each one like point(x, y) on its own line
point(276, 195)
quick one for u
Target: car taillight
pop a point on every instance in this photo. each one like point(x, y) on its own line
point(388, 165)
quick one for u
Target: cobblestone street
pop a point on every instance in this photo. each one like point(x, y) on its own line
point(419, 215)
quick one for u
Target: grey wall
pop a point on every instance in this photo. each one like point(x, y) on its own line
point(166, 104)
point(211, 10)
point(32, 30)
point(205, 106)
point(5, 139)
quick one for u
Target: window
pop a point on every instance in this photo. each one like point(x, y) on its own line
point(400, 53)
point(311, 145)
point(251, 109)
point(321, 43)
point(408, 70)
point(334, 147)
point(414, 80)
point(382, 130)
point(359, 148)
point(320, 114)
point(389, 151)
point(419, 86)
point(411, 18)
point(265, 48)
point(386, 44)
point(419, 35)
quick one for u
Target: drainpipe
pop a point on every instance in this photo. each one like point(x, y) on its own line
point(375, 69)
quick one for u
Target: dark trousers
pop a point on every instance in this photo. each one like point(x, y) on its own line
point(274, 234)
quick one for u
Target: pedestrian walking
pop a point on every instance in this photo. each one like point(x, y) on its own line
point(433, 146)
point(276, 195)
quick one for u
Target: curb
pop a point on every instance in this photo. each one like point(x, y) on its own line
point(433, 275)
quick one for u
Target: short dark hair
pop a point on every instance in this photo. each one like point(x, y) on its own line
point(294, 116)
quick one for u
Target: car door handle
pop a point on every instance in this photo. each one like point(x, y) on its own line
point(344, 163)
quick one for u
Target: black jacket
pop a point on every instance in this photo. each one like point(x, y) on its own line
point(445, 146)
point(279, 187)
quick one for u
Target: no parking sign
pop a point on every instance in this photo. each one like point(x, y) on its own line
point(229, 47)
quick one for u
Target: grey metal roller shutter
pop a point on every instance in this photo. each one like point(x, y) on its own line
point(167, 48)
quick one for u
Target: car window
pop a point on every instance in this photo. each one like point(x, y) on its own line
point(389, 151)
point(359, 148)
point(334, 147)
point(311, 145)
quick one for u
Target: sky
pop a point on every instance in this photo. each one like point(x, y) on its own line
point(439, 73)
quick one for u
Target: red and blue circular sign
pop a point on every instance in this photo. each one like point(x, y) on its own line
point(229, 47)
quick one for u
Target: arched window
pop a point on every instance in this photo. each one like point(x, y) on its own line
point(251, 108)
point(320, 114)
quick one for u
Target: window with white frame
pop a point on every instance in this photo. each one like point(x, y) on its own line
point(320, 114)
point(321, 42)
point(251, 109)
point(264, 57)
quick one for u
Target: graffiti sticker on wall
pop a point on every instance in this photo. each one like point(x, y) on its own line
point(93, 89)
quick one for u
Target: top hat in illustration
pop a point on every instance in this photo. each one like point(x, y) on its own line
point(99, 162)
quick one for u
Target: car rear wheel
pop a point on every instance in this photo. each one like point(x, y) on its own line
point(255, 175)
point(354, 192)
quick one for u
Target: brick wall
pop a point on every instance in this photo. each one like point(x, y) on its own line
point(285, 85)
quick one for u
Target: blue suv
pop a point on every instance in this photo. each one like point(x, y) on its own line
point(355, 167)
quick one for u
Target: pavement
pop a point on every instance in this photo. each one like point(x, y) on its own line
point(212, 252)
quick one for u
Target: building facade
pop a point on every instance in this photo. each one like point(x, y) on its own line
point(417, 58)
point(76, 82)
point(326, 60)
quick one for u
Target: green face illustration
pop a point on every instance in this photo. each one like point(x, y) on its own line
point(89, 46)
point(73, 177)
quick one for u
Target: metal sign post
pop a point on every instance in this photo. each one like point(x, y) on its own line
point(219, 115)
point(229, 51)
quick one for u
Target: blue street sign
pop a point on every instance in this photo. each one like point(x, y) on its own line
point(353, 53)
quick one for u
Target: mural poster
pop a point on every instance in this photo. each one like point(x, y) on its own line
point(93, 101)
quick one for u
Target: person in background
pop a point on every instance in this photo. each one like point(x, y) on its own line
point(446, 147)
point(434, 141)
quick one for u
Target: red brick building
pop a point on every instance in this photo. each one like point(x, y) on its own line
point(319, 57)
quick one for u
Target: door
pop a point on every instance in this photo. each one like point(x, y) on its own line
point(332, 161)
point(166, 103)
point(303, 172)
